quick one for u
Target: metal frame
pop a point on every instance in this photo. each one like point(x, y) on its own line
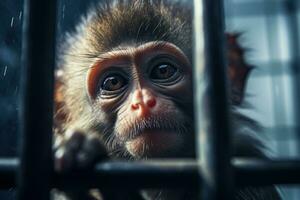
point(170, 174)
point(212, 172)
point(38, 53)
point(211, 114)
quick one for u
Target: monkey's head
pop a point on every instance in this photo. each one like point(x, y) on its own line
point(128, 76)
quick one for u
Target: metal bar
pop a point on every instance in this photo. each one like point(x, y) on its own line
point(263, 172)
point(37, 99)
point(257, 8)
point(135, 175)
point(172, 174)
point(212, 124)
point(277, 84)
point(294, 42)
point(8, 171)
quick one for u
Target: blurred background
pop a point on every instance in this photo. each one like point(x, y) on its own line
point(270, 30)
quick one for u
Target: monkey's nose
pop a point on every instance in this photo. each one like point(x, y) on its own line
point(143, 101)
point(148, 104)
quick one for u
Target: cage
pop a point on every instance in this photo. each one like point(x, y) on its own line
point(270, 29)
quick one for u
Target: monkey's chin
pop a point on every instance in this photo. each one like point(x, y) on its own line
point(154, 144)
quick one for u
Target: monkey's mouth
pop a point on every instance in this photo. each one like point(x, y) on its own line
point(153, 143)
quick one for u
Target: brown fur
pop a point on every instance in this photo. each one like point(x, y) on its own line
point(134, 22)
point(106, 28)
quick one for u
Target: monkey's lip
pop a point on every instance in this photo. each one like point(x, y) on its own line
point(153, 143)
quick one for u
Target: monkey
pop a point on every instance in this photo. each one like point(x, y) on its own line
point(125, 91)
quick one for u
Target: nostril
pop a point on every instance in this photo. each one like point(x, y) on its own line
point(135, 106)
point(151, 103)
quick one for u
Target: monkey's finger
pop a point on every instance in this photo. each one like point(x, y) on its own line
point(74, 140)
point(61, 160)
point(65, 155)
point(58, 141)
point(92, 151)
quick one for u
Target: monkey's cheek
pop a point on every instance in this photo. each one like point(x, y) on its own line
point(154, 144)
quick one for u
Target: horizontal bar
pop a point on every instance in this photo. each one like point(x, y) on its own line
point(155, 173)
point(258, 8)
point(8, 171)
point(263, 172)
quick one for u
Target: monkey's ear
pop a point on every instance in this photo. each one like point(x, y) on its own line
point(60, 113)
point(238, 69)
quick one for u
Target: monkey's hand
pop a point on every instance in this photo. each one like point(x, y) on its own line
point(77, 150)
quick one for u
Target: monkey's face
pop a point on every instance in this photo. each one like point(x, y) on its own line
point(147, 91)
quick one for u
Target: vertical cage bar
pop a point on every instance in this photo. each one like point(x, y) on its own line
point(37, 99)
point(211, 100)
point(292, 10)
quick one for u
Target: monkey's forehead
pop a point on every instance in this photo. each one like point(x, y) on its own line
point(151, 45)
point(114, 25)
point(141, 52)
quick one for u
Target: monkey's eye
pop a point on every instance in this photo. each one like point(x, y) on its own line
point(163, 71)
point(113, 82)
